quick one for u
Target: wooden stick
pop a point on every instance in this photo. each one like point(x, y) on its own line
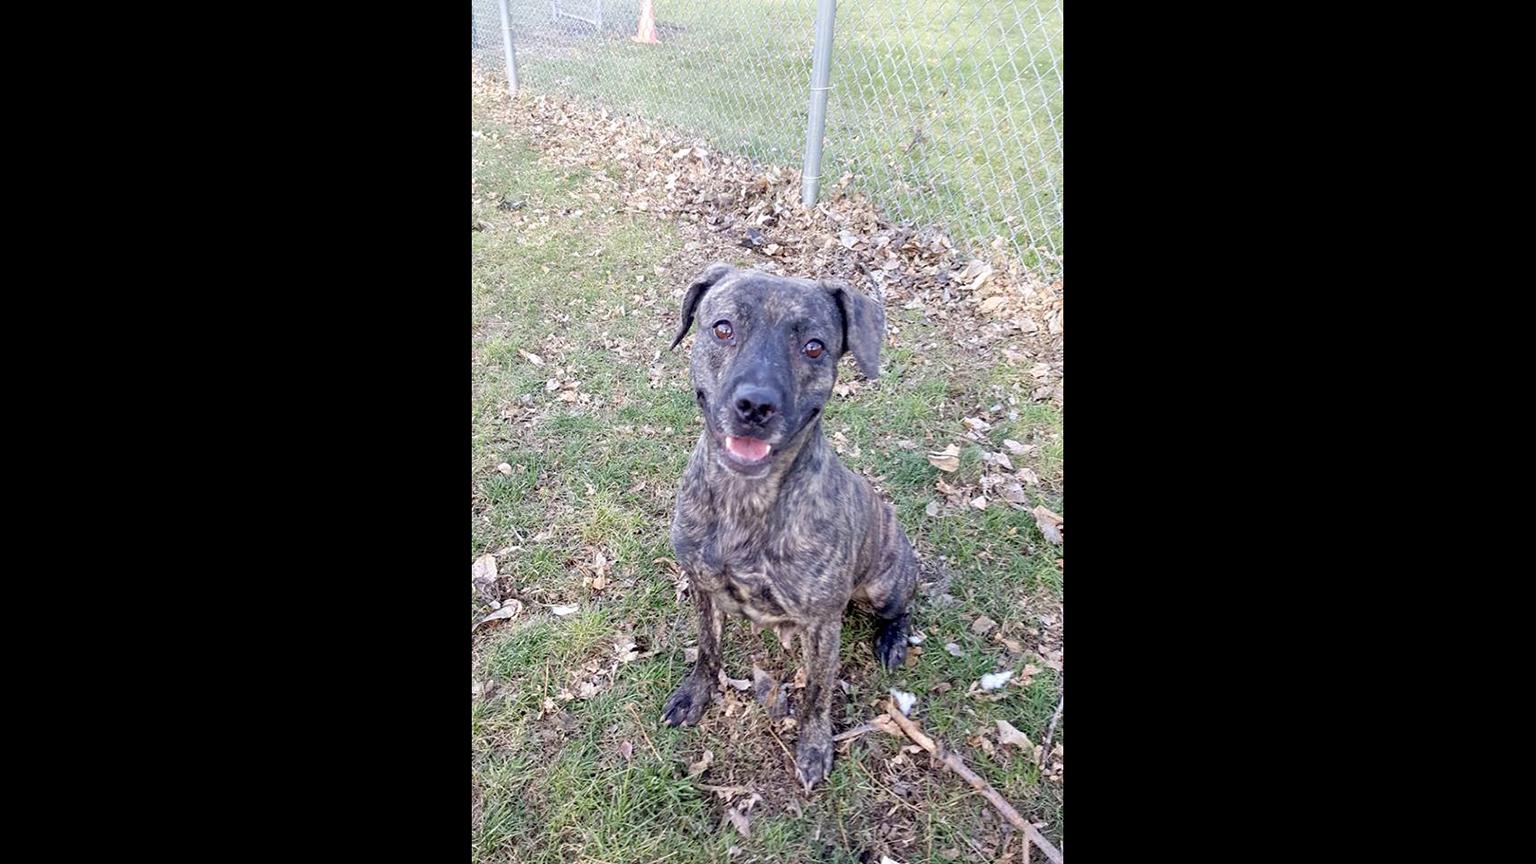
point(954, 763)
point(635, 712)
point(880, 723)
point(787, 754)
point(855, 732)
point(1045, 749)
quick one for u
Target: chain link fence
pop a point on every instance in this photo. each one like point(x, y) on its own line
point(944, 112)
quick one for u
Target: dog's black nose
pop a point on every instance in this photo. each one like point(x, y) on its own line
point(755, 404)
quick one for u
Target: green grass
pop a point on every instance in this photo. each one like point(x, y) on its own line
point(601, 475)
point(947, 111)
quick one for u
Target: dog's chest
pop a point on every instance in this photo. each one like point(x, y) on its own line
point(754, 595)
point(746, 583)
point(772, 558)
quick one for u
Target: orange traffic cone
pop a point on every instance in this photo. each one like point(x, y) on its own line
point(647, 31)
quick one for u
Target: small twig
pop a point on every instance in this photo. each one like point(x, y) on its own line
point(787, 754)
point(974, 845)
point(859, 262)
point(953, 762)
point(635, 712)
point(878, 285)
point(855, 732)
point(1045, 749)
point(888, 790)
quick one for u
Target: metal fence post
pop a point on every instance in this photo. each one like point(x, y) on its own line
point(816, 124)
point(506, 44)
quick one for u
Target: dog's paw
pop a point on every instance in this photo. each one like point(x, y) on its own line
point(813, 758)
point(891, 643)
point(687, 703)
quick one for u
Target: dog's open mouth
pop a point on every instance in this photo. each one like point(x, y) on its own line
point(744, 455)
point(747, 449)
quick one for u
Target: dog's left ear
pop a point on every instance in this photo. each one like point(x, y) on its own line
point(701, 283)
point(863, 325)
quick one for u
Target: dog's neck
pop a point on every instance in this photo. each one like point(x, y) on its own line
point(754, 497)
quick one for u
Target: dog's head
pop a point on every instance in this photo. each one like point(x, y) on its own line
point(765, 359)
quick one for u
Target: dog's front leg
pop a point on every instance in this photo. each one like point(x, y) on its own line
point(687, 703)
point(813, 753)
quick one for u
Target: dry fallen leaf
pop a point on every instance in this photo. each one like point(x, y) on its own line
point(627, 750)
point(982, 275)
point(933, 508)
point(979, 502)
point(505, 469)
point(691, 654)
point(982, 625)
point(509, 609)
point(483, 569)
point(531, 357)
point(1050, 524)
point(1009, 735)
point(953, 650)
point(738, 683)
point(991, 305)
point(483, 580)
point(996, 680)
point(702, 765)
point(767, 691)
point(976, 424)
point(1016, 448)
point(946, 460)
point(885, 724)
point(740, 820)
point(563, 611)
point(1003, 460)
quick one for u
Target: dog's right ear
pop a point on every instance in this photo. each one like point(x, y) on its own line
point(703, 282)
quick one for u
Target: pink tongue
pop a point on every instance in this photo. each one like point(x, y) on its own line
point(749, 449)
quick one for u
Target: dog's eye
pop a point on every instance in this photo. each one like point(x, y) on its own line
point(814, 348)
point(723, 330)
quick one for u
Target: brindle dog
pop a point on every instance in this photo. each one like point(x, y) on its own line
point(769, 523)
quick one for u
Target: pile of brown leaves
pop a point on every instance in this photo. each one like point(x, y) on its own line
point(996, 308)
